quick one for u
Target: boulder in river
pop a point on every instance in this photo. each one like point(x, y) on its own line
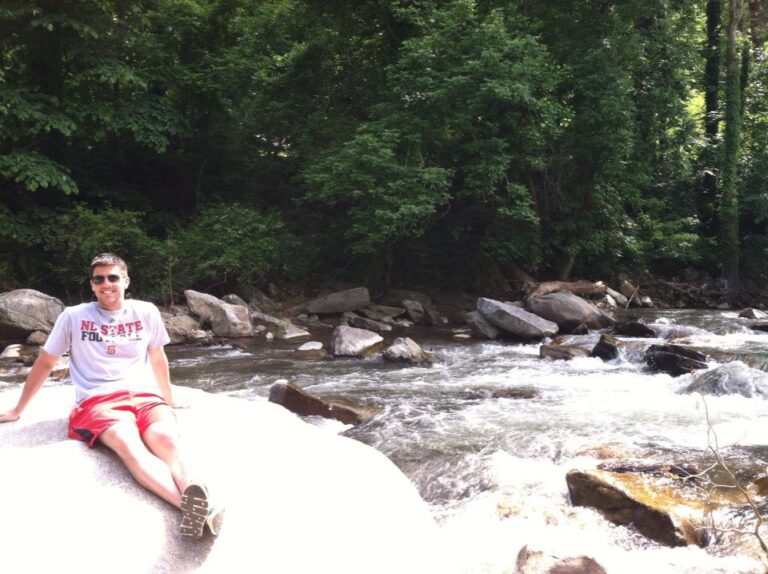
point(568, 310)
point(23, 311)
point(628, 499)
point(607, 348)
point(514, 320)
point(340, 301)
point(406, 350)
point(751, 313)
point(634, 329)
point(298, 401)
point(734, 378)
point(355, 320)
point(481, 327)
point(231, 321)
point(562, 352)
point(353, 342)
point(311, 350)
point(537, 562)
point(415, 311)
point(180, 327)
point(202, 304)
point(674, 360)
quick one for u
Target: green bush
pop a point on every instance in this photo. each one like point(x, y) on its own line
point(227, 247)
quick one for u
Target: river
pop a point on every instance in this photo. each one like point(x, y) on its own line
point(493, 469)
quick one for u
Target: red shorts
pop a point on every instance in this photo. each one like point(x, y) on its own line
point(96, 414)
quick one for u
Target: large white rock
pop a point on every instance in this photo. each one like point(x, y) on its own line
point(299, 498)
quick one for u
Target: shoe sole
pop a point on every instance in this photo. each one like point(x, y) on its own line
point(194, 509)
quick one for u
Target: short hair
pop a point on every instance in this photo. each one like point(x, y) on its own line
point(109, 259)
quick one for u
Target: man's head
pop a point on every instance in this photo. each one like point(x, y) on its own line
point(109, 280)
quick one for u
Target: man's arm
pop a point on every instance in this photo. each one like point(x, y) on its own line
point(159, 362)
point(37, 375)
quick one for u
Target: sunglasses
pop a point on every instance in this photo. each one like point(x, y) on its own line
point(99, 279)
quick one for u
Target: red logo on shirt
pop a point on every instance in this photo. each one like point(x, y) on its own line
point(111, 349)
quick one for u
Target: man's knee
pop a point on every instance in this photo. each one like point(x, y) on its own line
point(162, 436)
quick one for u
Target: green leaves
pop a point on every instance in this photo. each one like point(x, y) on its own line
point(34, 171)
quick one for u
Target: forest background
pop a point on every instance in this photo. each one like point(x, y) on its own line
point(228, 145)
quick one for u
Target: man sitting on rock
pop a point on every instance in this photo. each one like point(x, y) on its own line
point(122, 389)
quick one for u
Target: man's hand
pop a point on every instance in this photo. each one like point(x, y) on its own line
point(9, 416)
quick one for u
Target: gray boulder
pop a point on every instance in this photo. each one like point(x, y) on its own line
point(348, 300)
point(406, 350)
point(24, 311)
point(481, 327)
point(278, 328)
point(233, 299)
point(202, 304)
point(568, 310)
point(352, 342)
point(231, 321)
point(381, 312)
point(514, 320)
point(751, 313)
point(562, 352)
point(415, 311)
point(180, 327)
point(399, 296)
point(354, 320)
point(731, 379)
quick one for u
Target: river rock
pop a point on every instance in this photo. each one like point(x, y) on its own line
point(278, 328)
point(355, 320)
point(674, 360)
point(381, 312)
point(304, 404)
point(406, 350)
point(354, 342)
point(562, 352)
point(628, 499)
point(348, 300)
point(607, 348)
point(342, 502)
point(37, 338)
point(515, 320)
point(634, 329)
point(732, 379)
point(232, 321)
point(452, 314)
point(202, 304)
point(568, 310)
point(180, 327)
point(620, 299)
point(537, 562)
point(750, 313)
point(434, 318)
point(415, 311)
point(481, 327)
point(399, 296)
point(311, 350)
point(25, 310)
point(233, 299)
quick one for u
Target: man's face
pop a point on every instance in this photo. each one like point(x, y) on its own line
point(110, 295)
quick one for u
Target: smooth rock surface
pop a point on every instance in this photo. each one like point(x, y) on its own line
point(23, 311)
point(299, 499)
point(515, 320)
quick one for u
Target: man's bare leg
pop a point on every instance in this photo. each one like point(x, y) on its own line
point(162, 439)
point(148, 469)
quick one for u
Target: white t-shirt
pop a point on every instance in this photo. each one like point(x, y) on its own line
point(108, 349)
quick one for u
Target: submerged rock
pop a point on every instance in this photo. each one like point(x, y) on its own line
point(674, 360)
point(732, 379)
point(311, 350)
point(634, 329)
point(607, 348)
point(629, 500)
point(298, 401)
point(562, 352)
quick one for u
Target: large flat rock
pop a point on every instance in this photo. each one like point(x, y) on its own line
point(299, 498)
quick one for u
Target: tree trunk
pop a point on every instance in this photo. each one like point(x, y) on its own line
point(729, 201)
point(711, 113)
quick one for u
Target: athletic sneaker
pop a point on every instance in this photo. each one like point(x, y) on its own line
point(197, 512)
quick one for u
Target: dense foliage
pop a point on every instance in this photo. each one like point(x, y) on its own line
point(228, 144)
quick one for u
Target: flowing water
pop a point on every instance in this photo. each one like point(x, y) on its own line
point(493, 469)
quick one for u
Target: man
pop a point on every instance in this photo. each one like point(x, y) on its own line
point(122, 389)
